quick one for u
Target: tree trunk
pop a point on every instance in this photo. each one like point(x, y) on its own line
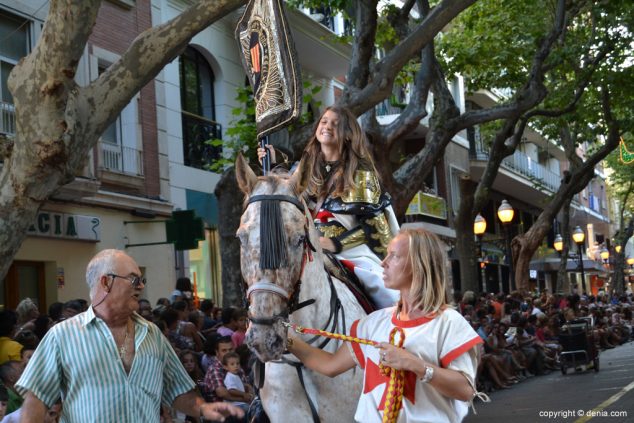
point(230, 200)
point(465, 244)
point(618, 281)
point(523, 248)
point(562, 272)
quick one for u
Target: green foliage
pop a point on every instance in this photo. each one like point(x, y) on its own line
point(621, 175)
point(492, 42)
point(240, 136)
point(309, 92)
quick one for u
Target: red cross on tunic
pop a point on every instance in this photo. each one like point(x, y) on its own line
point(324, 215)
point(374, 378)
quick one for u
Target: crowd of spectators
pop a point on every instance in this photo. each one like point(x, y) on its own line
point(521, 333)
point(20, 332)
point(520, 336)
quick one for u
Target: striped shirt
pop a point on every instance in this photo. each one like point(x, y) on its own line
point(78, 361)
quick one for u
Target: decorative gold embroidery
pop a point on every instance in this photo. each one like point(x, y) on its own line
point(353, 239)
point(367, 188)
point(383, 232)
point(331, 231)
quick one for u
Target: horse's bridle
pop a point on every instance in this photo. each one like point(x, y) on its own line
point(292, 297)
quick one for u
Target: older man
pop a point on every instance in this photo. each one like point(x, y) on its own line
point(108, 364)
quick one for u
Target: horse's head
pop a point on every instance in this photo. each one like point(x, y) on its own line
point(274, 245)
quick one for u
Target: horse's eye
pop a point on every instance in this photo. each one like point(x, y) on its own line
point(301, 240)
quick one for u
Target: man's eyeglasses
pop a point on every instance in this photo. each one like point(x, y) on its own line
point(134, 280)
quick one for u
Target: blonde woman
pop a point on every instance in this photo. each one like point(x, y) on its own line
point(437, 354)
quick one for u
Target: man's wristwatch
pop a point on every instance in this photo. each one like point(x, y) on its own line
point(429, 374)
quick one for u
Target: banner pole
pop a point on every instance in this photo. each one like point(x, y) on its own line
point(266, 161)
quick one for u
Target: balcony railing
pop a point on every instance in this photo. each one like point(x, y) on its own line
point(519, 163)
point(7, 118)
point(120, 159)
point(197, 131)
point(389, 107)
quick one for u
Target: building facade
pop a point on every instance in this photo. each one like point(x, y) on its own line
point(117, 200)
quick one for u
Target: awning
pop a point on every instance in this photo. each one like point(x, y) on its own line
point(550, 263)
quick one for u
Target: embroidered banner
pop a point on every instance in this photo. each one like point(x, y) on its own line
point(270, 62)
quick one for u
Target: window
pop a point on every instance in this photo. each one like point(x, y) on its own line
point(325, 16)
point(198, 110)
point(120, 147)
point(14, 33)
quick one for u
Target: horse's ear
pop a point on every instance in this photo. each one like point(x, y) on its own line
point(245, 175)
point(301, 176)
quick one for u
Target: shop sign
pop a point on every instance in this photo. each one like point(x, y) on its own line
point(66, 226)
point(428, 205)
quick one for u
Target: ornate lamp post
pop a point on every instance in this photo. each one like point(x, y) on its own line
point(558, 244)
point(505, 214)
point(479, 227)
point(579, 237)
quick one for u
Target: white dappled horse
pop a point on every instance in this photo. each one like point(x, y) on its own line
point(282, 271)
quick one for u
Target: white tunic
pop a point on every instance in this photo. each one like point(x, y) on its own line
point(446, 340)
point(366, 264)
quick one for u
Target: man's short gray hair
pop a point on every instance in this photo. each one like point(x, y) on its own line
point(101, 264)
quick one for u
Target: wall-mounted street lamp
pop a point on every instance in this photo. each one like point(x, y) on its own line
point(579, 237)
point(479, 225)
point(617, 248)
point(630, 261)
point(505, 214)
point(559, 243)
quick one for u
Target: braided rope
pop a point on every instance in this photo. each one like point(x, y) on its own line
point(395, 387)
point(319, 332)
point(396, 384)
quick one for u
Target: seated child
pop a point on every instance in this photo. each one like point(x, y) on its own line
point(233, 382)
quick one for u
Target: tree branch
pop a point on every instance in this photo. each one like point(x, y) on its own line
point(363, 46)
point(138, 66)
point(407, 8)
point(415, 110)
point(570, 147)
point(533, 91)
point(588, 70)
point(387, 68)
point(56, 55)
point(580, 176)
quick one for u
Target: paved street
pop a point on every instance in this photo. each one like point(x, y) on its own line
point(611, 390)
